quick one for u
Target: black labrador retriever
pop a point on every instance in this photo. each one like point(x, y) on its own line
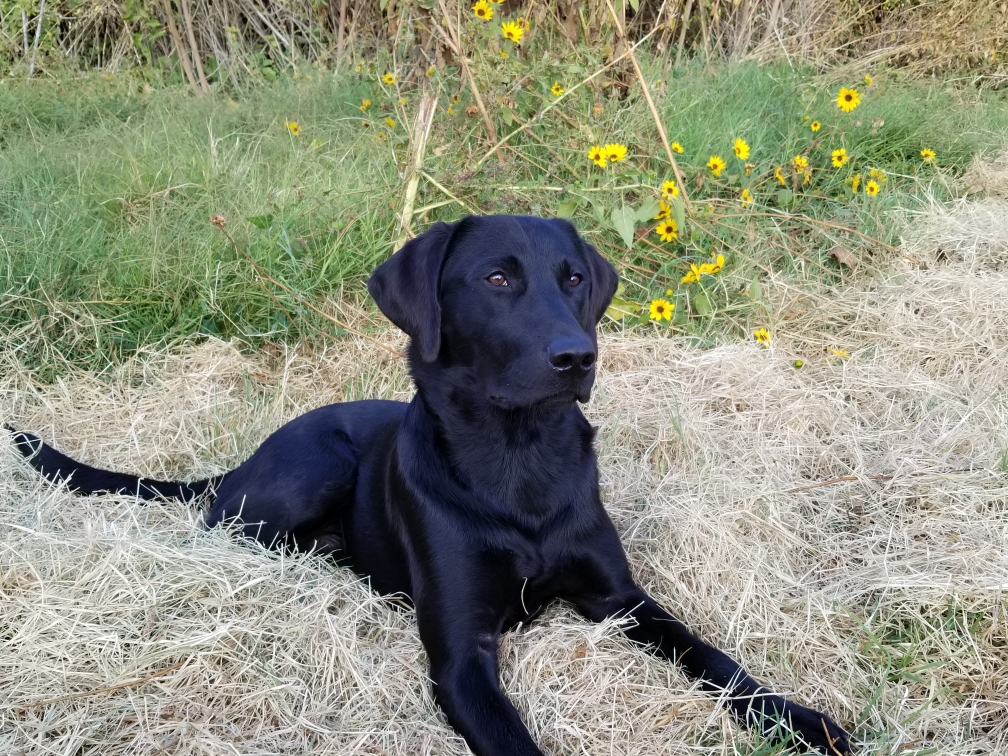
point(479, 499)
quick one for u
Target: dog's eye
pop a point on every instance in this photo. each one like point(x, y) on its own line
point(574, 280)
point(497, 279)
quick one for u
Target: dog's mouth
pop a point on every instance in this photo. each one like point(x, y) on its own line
point(558, 398)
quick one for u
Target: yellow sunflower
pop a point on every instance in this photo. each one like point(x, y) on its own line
point(661, 308)
point(482, 10)
point(713, 268)
point(694, 274)
point(848, 99)
point(871, 188)
point(512, 31)
point(293, 128)
point(746, 198)
point(779, 174)
point(597, 155)
point(839, 157)
point(800, 162)
point(677, 148)
point(365, 104)
point(716, 165)
point(855, 182)
point(667, 230)
point(741, 149)
point(615, 152)
point(669, 190)
point(878, 174)
point(557, 89)
point(762, 336)
point(390, 123)
point(815, 126)
point(868, 81)
point(664, 211)
point(928, 155)
point(389, 78)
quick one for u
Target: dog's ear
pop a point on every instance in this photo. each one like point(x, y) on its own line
point(406, 288)
point(604, 281)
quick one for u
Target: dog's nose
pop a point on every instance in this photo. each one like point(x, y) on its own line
point(570, 354)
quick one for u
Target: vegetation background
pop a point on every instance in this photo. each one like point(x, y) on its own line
point(126, 126)
point(803, 428)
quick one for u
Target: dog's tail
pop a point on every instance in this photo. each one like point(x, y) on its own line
point(84, 479)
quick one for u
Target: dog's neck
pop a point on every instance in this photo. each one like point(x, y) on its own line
point(526, 454)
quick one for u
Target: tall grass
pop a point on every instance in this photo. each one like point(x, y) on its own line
point(107, 189)
point(106, 196)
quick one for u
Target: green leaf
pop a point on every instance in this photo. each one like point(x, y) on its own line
point(755, 290)
point(261, 221)
point(702, 304)
point(621, 308)
point(566, 209)
point(784, 196)
point(647, 210)
point(623, 222)
point(509, 118)
point(679, 213)
point(635, 4)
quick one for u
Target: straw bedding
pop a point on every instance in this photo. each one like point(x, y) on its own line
point(840, 528)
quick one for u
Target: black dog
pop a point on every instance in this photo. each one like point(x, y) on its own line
point(479, 499)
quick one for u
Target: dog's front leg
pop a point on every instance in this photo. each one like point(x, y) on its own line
point(605, 589)
point(463, 669)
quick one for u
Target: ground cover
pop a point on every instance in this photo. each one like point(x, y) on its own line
point(840, 527)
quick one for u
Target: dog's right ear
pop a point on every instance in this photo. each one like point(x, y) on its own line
point(406, 288)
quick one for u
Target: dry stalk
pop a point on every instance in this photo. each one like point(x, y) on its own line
point(651, 105)
point(166, 7)
point(418, 146)
point(187, 17)
point(455, 43)
point(441, 188)
point(107, 689)
point(550, 105)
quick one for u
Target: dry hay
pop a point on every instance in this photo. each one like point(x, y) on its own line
point(840, 528)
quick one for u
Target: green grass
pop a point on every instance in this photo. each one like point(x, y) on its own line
point(106, 192)
point(106, 196)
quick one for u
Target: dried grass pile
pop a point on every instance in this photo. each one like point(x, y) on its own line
point(840, 528)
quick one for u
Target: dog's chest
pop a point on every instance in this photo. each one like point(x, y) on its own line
point(536, 569)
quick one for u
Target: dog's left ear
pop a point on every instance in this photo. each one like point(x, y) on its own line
point(406, 288)
point(604, 281)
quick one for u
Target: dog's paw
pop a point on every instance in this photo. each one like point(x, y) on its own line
point(815, 729)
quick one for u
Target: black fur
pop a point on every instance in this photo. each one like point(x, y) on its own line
point(479, 499)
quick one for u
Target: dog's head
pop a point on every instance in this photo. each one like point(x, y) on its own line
point(507, 304)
